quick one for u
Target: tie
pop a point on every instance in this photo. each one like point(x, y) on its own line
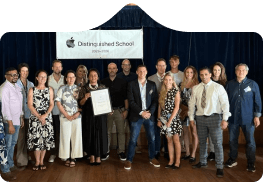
point(203, 100)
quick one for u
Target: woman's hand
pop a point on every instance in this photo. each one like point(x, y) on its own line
point(168, 124)
point(159, 124)
point(87, 95)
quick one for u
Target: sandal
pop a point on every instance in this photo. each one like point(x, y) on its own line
point(72, 163)
point(43, 167)
point(67, 163)
point(36, 168)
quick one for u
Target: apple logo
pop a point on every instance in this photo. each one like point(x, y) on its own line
point(70, 43)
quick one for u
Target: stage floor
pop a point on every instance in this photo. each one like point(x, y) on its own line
point(112, 170)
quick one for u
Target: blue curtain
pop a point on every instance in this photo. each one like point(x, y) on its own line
point(200, 49)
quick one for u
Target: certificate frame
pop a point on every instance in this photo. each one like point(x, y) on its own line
point(101, 101)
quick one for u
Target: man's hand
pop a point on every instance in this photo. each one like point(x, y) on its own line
point(256, 121)
point(22, 122)
point(124, 114)
point(11, 128)
point(146, 114)
point(224, 124)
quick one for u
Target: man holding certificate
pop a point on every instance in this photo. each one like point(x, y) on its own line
point(143, 98)
point(117, 87)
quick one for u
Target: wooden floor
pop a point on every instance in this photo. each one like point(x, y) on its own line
point(112, 170)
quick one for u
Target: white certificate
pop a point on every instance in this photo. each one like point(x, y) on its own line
point(101, 102)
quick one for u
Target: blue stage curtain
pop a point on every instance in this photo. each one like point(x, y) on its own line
point(199, 49)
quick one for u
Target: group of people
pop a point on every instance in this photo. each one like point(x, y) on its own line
point(56, 114)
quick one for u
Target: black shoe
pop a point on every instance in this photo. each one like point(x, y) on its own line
point(211, 156)
point(220, 173)
point(105, 157)
point(175, 167)
point(192, 160)
point(199, 165)
point(122, 156)
point(185, 157)
point(251, 167)
point(169, 166)
point(230, 163)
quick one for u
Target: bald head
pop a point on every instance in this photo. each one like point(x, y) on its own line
point(126, 66)
point(112, 69)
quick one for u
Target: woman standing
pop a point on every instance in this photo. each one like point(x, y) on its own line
point(81, 76)
point(190, 80)
point(70, 145)
point(218, 76)
point(40, 131)
point(95, 140)
point(169, 101)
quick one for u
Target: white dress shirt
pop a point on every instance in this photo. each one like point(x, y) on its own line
point(216, 101)
point(143, 95)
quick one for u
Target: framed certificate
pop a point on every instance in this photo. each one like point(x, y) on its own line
point(101, 102)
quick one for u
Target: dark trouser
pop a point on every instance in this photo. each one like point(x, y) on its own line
point(21, 154)
point(56, 127)
point(248, 131)
point(157, 138)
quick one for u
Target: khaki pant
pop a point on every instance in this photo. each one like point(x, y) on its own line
point(116, 117)
point(21, 154)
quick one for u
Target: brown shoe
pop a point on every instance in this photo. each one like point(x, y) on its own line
point(8, 176)
point(155, 162)
point(127, 165)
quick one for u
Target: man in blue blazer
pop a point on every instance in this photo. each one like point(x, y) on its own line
point(143, 100)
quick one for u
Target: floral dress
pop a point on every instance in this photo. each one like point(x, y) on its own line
point(3, 150)
point(169, 105)
point(40, 137)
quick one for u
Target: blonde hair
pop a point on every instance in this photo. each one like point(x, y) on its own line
point(194, 79)
point(85, 68)
point(163, 91)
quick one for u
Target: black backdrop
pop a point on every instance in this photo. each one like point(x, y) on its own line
point(199, 49)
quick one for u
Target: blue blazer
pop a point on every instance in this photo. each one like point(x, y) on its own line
point(135, 102)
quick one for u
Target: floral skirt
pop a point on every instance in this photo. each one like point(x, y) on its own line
point(40, 137)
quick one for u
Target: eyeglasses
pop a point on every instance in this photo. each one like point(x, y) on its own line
point(13, 75)
point(126, 64)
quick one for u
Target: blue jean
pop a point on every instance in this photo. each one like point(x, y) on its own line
point(11, 140)
point(135, 131)
point(157, 138)
point(248, 131)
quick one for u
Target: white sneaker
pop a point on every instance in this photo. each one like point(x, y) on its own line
point(52, 158)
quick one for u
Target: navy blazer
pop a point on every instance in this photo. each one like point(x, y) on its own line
point(135, 102)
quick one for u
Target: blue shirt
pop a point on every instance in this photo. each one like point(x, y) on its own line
point(25, 91)
point(245, 101)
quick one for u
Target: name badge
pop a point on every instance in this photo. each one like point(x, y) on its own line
point(248, 89)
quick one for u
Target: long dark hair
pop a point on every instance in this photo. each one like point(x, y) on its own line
point(37, 73)
point(222, 78)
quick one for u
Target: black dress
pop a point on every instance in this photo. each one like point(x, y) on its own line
point(94, 128)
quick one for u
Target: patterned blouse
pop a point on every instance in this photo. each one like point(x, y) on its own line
point(68, 96)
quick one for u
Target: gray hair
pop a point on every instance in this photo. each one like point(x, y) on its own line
point(242, 64)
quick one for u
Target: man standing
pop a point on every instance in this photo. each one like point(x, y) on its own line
point(128, 76)
point(118, 93)
point(126, 73)
point(245, 105)
point(12, 102)
point(55, 80)
point(158, 79)
point(212, 112)
point(25, 85)
point(177, 74)
point(143, 99)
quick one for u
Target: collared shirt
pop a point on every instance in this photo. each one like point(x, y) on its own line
point(25, 91)
point(118, 90)
point(12, 103)
point(55, 85)
point(143, 94)
point(157, 79)
point(178, 77)
point(216, 101)
point(245, 101)
point(130, 77)
point(68, 96)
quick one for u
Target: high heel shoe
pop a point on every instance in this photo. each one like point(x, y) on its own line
point(169, 166)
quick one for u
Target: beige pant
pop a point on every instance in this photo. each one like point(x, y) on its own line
point(70, 144)
point(116, 117)
point(21, 154)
